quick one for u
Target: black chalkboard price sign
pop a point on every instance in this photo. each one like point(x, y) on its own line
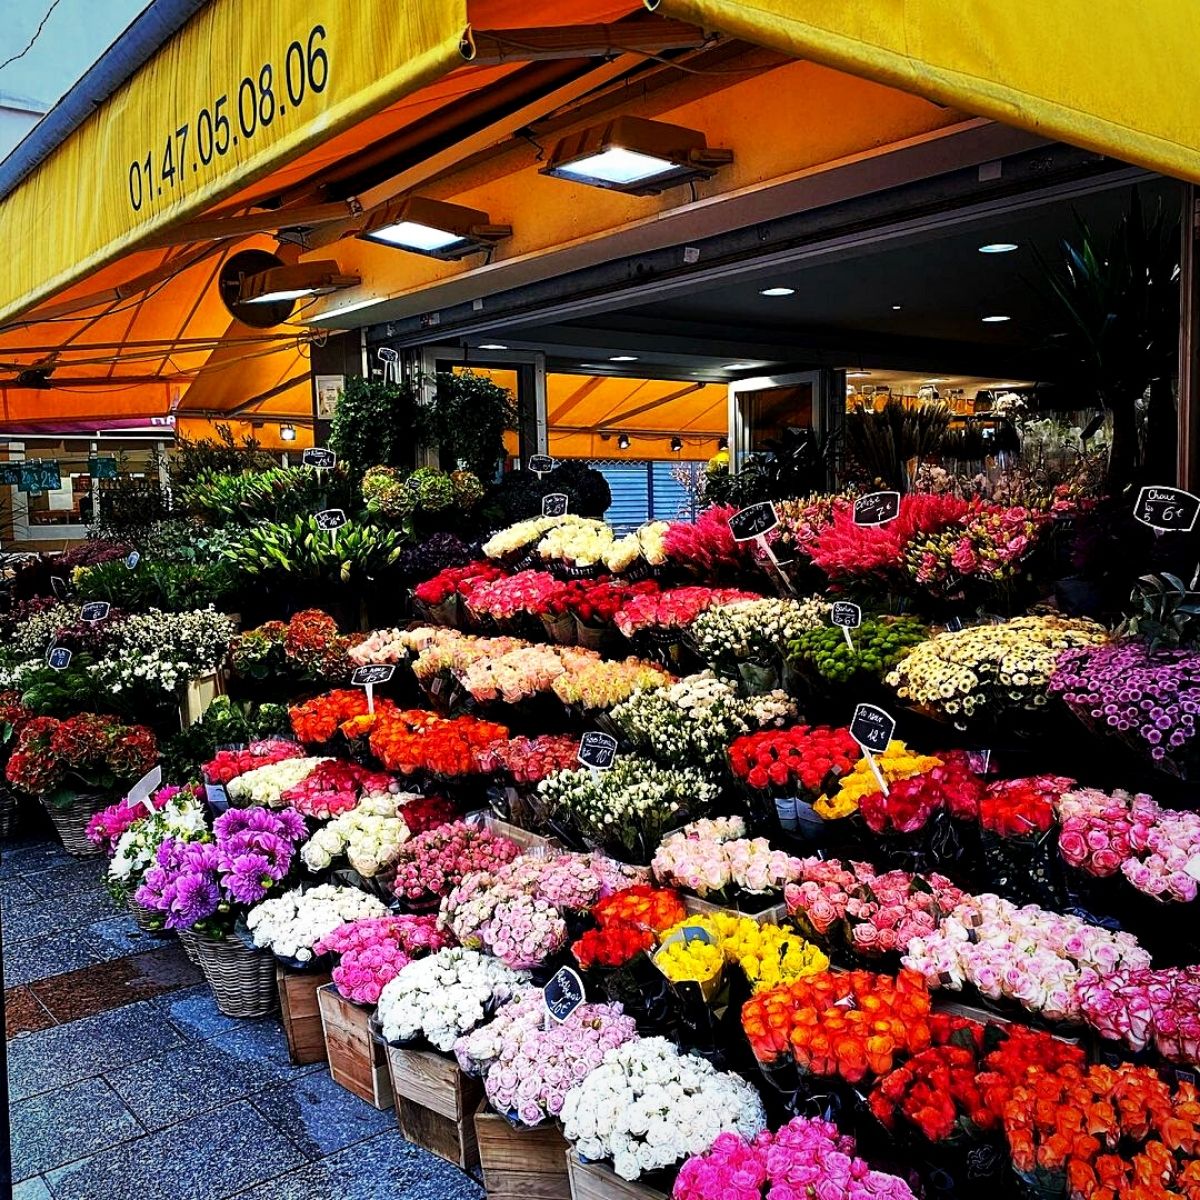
point(59, 658)
point(555, 504)
point(563, 994)
point(331, 518)
point(1167, 509)
point(877, 508)
point(845, 615)
point(749, 523)
point(372, 674)
point(872, 728)
point(319, 457)
point(598, 751)
point(58, 585)
point(541, 464)
point(94, 611)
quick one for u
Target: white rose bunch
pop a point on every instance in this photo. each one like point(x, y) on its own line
point(444, 996)
point(265, 785)
point(526, 533)
point(369, 835)
point(649, 1106)
point(291, 924)
point(582, 543)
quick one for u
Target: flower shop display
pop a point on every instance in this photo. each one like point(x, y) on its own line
point(577, 546)
point(291, 925)
point(714, 859)
point(267, 784)
point(522, 674)
point(443, 996)
point(13, 716)
point(521, 539)
point(750, 639)
point(527, 593)
point(306, 648)
point(369, 835)
point(75, 765)
point(649, 1106)
point(372, 950)
point(433, 863)
point(694, 720)
point(439, 598)
point(163, 651)
point(594, 604)
point(316, 721)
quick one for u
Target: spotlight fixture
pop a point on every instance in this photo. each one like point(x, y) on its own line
point(637, 156)
point(778, 291)
point(896, 307)
point(998, 248)
point(722, 443)
point(433, 228)
point(995, 319)
point(287, 433)
point(282, 284)
point(676, 444)
point(623, 358)
point(739, 366)
point(623, 441)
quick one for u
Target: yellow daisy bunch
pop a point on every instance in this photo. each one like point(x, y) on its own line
point(896, 762)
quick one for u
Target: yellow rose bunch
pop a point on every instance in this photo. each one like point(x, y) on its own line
point(990, 668)
point(896, 762)
point(697, 960)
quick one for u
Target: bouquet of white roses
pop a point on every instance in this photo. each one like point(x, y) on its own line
point(581, 543)
point(649, 1106)
point(526, 534)
point(645, 543)
point(444, 996)
point(369, 835)
point(266, 785)
point(694, 721)
point(291, 924)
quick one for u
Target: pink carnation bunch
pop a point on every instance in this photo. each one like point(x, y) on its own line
point(374, 949)
point(106, 826)
point(433, 863)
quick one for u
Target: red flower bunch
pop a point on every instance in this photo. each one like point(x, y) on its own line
point(706, 546)
point(852, 1023)
point(410, 740)
point(229, 764)
point(803, 760)
point(596, 602)
point(627, 923)
point(332, 788)
point(1021, 807)
point(909, 804)
point(530, 760)
point(427, 812)
point(313, 643)
point(433, 863)
point(611, 945)
point(98, 752)
point(1021, 1055)
point(13, 715)
point(455, 579)
point(317, 720)
point(675, 609)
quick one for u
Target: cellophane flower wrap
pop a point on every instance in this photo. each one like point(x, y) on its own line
point(106, 827)
point(807, 1157)
point(371, 951)
point(443, 996)
point(648, 1106)
point(292, 924)
point(208, 883)
point(602, 684)
point(693, 721)
point(713, 857)
point(433, 863)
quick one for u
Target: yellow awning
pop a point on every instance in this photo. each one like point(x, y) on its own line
point(1108, 75)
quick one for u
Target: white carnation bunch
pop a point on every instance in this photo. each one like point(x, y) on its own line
point(291, 924)
point(755, 630)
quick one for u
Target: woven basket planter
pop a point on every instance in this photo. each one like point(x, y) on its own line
point(242, 980)
point(147, 920)
point(10, 811)
point(71, 822)
point(187, 939)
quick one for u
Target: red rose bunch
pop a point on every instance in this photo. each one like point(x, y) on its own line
point(97, 751)
point(427, 812)
point(455, 579)
point(411, 740)
point(229, 764)
point(317, 720)
point(596, 602)
point(1021, 807)
point(333, 787)
point(951, 785)
point(530, 760)
point(627, 922)
point(804, 760)
point(1022, 1054)
point(611, 945)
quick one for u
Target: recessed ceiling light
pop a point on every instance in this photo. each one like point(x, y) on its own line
point(623, 358)
point(896, 307)
point(491, 346)
point(995, 319)
point(998, 248)
point(738, 366)
point(777, 291)
point(858, 374)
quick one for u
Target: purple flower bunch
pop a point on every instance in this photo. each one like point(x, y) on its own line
point(434, 555)
point(1148, 698)
point(806, 1158)
point(193, 882)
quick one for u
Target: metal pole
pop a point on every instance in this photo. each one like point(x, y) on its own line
point(1189, 342)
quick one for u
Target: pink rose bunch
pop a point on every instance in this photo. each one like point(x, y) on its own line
point(433, 863)
point(229, 764)
point(525, 592)
point(536, 1068)
point(675, 609)
point(106, 826)
point(712, 857)
point(478, 1050)
point(380, 646)
point(808, 1157)
point(334, 787)
point(374, 949)
point(1163, 868)
point(522, 673)
point(1144, 1007)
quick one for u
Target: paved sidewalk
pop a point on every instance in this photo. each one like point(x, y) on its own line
point(125, 1082)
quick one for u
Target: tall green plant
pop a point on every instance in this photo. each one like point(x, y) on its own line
point(224, 454)
point(373, 425)
point(1120, 300)
point(467, 422)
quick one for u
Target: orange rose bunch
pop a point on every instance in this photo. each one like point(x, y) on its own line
point(641, 906)
point(317, 720)
point(412, 740)
point(851, 1024)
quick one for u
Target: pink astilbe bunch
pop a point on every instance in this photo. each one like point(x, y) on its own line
point(373, 950)
point(706, 548)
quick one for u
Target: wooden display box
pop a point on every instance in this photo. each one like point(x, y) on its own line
point(521, 1164)
point(301, 1014)
point(435, 1104)
point(356, 1060)
point(598, 1181)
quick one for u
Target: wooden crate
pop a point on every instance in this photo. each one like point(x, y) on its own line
point(197, 695)
point(521, 1164)
point(356, 1060)
point(301, 1014)
point(598, 1181)
point(435, 1104)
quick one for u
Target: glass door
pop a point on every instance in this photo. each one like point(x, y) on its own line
point(762, 409)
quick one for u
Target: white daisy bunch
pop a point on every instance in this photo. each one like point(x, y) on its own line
point(694, 720)
point(755, 630)
point(182, 817)
point(649, 1106)
point(369, 835)
point(266, 785)
point(444, 996)
point(291, 924)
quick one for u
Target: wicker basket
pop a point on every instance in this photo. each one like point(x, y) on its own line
point(187, 939)
point(242, 980)
point(147, 920)
point(10, 811)
point(72, 822)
